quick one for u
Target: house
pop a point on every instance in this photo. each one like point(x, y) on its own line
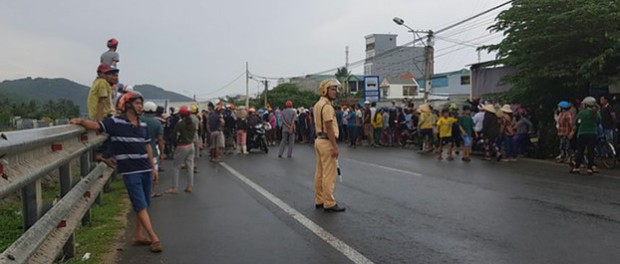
point(453, 84)
point(398, 88)
point(486, 78)
point(354, 83)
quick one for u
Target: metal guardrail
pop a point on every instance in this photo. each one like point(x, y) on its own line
point(26, 156)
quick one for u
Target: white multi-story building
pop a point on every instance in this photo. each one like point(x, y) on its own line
point(385, 59)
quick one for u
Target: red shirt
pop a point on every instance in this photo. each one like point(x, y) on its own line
point(565, 123)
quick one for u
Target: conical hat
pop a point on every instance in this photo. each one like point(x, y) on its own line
point(489, 108)
point(425, 108)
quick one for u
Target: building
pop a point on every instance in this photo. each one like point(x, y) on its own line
point(486, 78)
point(354, 83)
point(384, 58)
point(398, 88)
point(456, 83)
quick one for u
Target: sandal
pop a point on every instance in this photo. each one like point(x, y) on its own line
point(142, 242)
point(574, 170)
point(590, 172)
point(156, 247)
point(171, 191)
point(188, 190)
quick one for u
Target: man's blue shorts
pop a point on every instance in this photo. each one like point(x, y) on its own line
point(139, 189)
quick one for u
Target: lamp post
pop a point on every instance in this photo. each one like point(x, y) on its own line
point(428, 55)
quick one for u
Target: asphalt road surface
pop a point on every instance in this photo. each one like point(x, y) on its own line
point(402, 207)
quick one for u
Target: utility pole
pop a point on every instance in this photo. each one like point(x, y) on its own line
point(346, 65)
point(266, 85)
point(429, 51)
point(247, 86)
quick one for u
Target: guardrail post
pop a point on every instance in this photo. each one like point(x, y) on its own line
point(66, 183)
point(32, 203)
point(85, 167)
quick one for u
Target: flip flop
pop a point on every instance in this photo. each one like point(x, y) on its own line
point(142, 242)
point(155, 195)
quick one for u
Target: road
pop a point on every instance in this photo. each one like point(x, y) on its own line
point(402, 207)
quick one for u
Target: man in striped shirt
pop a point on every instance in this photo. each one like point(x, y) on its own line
point(130, 144)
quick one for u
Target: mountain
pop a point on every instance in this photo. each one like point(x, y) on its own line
point(43, 90)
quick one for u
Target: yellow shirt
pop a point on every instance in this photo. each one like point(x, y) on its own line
point(100, 88)
point(444, 124)
point(377, 122)
point(328, 113)
point(426, 121)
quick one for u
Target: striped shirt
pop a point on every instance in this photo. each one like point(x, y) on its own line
point(128, 144)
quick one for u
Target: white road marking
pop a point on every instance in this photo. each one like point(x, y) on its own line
point(345, 249)
point(386, 168)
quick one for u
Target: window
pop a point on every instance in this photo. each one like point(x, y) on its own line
point(370, 46)
point(385, 91)
point(410, 90)
point(465, 80)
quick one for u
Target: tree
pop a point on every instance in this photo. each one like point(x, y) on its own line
point(289, 91)
point(561, 50)
point(341, 75)
point(572, 46)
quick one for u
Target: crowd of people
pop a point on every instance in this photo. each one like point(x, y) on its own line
point(143, 134)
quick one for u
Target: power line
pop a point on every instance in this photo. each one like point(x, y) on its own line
point(223, 87)
point(412, 43)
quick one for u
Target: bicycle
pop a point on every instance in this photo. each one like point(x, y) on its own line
point(606, 153)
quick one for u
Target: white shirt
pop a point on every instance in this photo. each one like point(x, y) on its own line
point(478, 118)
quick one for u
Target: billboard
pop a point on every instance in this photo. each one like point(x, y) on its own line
point(371, 88)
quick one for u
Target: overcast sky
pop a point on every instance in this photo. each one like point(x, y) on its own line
point(197, 47)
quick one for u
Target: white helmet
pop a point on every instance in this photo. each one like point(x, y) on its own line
point(589, 101)
point(150, 107)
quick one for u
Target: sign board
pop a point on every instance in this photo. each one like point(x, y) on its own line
point(371, 88)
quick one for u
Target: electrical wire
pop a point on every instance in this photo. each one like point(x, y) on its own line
point(412, 43)
point(223, 87)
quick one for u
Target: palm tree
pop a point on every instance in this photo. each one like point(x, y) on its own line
point(342, 74)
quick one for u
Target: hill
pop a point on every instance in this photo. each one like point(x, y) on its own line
point(43, 90)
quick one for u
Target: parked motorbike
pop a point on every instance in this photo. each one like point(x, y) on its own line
point(257, 137)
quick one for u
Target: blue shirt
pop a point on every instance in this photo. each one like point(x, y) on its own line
point(155, 129)
point(352, 118)
point(128, 144)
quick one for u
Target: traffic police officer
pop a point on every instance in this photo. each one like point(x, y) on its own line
point(326, 148)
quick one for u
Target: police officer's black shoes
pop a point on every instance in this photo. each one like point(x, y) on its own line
point(334, 209)
point(318, 206)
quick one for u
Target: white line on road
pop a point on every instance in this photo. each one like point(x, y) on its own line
point(345, 249)
point(386, 168)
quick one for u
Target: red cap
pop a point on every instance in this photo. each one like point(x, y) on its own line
point(289, 103)
point(104, 68)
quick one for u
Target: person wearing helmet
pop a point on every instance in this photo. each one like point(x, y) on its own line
point(111, 57)
point(183, 137)
point(585, 128)
point(197, 142)
point(288, 129)
point(326, 148)
point(216, 126)
point(564, 126)
point(156, 131)
point(121, 89)
point(608, 119)
point(130, 145)
point(99, 100)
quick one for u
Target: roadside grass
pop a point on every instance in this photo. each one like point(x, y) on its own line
point(10, 223)
point(98, 239)
point(107, 221)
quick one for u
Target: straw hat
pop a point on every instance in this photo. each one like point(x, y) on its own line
point(489, 108)
point(425, 108)
point(506, 109)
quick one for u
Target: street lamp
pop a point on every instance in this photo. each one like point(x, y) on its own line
point(428, 55)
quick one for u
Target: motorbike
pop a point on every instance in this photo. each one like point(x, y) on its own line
point(257, 137)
